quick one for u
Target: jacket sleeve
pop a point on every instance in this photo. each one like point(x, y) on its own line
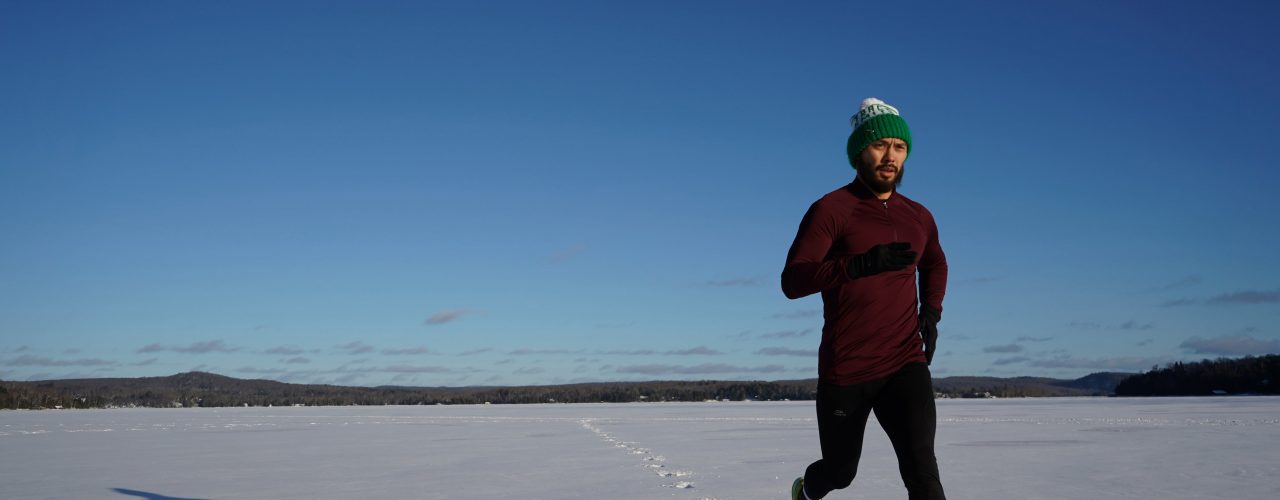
point(807, 270)
point(933, 270)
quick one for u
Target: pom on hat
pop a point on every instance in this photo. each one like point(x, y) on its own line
point(871, 107)
point(875, 120)
point(872, 100)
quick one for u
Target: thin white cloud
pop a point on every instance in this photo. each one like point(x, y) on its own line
point(347, 374)
point(355, 348)
point(525, 351)
point(96, 373)
point(29, 360)
point(406, 351)
point(1232, 345)
point(1003, 349)
point(1122, 363)
point(1246, 297)
point(786, 351)
point(800, 314)
point(1133, 325)
point(703, 369)
point(252, 370)
point(1010, 361)
point(446, 316)
point(695, 351)
point(416, 369)
point(783, 334)
point(622, 352)
point(734, 282)
point(205, 347)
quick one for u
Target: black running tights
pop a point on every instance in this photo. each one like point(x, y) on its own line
point(903, 403)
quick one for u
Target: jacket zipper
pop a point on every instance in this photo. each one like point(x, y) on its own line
point(885, 203)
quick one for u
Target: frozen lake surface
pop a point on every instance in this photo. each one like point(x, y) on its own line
point(1014, 449)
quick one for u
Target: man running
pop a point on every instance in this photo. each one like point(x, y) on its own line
point(861, 246)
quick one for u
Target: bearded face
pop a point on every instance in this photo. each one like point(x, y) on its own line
point(880, 164)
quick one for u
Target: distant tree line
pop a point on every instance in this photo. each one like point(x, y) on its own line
point(1248, 375)
point(19, 396)
point(198, 389)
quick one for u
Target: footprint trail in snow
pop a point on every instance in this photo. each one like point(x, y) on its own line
point(648, 460)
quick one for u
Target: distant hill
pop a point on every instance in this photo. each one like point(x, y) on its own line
point(1096, 384)
point(208, 389)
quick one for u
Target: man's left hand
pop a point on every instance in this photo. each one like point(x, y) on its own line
point(929, 318)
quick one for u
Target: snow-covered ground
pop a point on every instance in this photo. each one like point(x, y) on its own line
point(1161, 448)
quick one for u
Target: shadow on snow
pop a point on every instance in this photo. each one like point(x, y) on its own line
point(148, 496)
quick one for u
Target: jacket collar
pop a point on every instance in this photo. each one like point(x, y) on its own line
point(863, 193)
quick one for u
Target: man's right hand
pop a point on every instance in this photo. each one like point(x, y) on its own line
point(894, 256)
point(929, 318)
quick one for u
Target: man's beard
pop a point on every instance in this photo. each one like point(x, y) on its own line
point(869, 177)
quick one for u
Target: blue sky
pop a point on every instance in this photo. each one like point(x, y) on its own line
point(426, 193)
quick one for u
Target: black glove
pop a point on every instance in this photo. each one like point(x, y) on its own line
point(894, 256)
point(929, 318)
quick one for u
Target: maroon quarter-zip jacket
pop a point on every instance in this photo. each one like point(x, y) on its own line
point(870, 327)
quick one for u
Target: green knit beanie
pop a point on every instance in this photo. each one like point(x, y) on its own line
point(876, 120)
